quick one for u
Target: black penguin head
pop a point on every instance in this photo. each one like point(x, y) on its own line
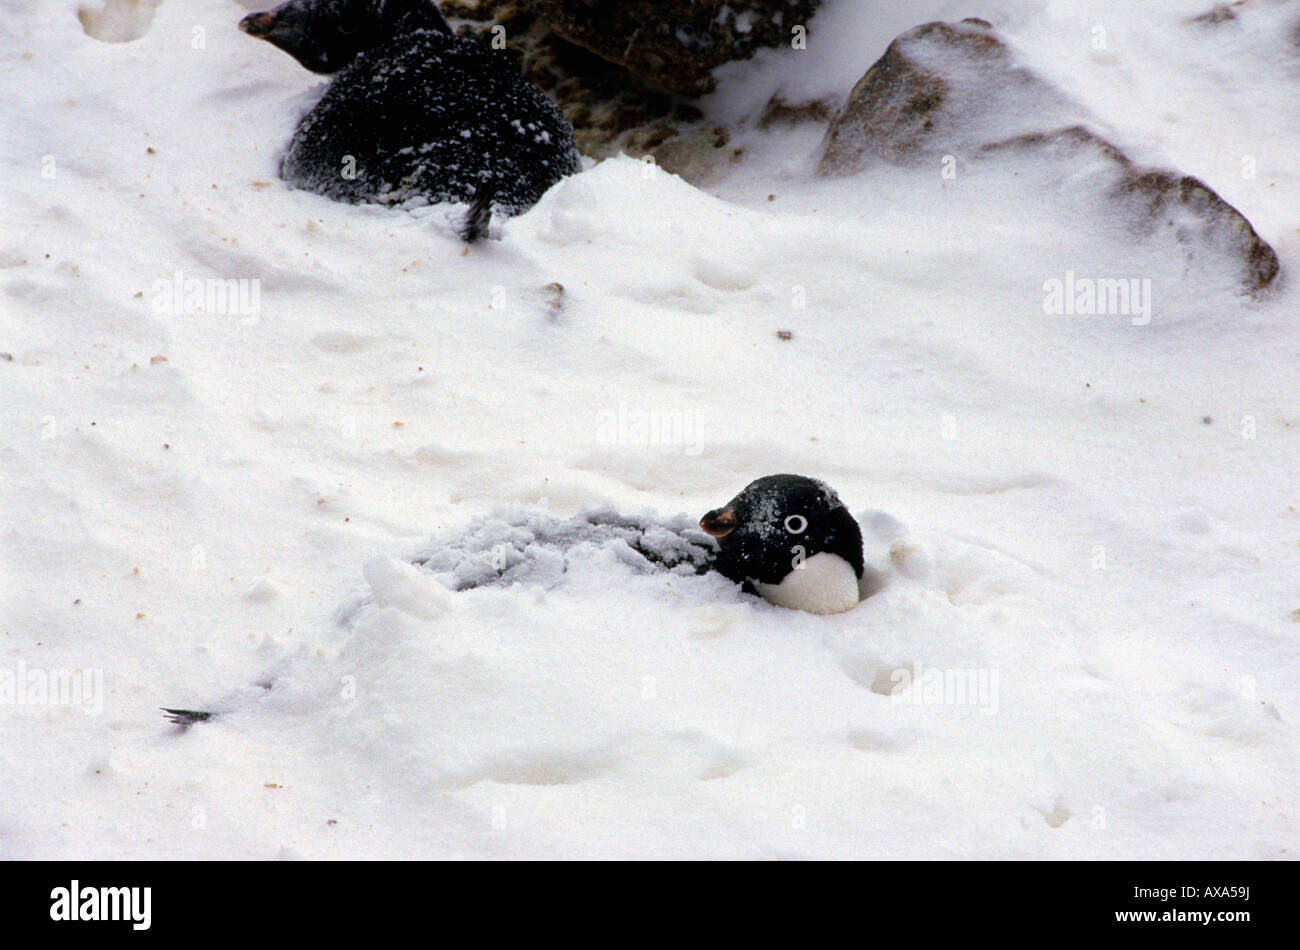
point(326, 35)
point(778, 521)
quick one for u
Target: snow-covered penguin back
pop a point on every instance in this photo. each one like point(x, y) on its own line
point(529, 545)
point(414, 113)
point(432, 118)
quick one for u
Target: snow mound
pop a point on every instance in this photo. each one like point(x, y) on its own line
point(663, 707)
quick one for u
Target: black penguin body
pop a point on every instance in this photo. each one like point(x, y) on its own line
point(420, 114)
point(780, 527)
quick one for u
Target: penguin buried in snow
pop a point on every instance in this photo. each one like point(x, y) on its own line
point(415, 112)
point(790, 539)
point(786, 538)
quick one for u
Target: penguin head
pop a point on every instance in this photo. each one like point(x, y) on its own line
point(326, 35)
point(791, 539)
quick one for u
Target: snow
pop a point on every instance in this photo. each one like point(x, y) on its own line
point(1086, 528)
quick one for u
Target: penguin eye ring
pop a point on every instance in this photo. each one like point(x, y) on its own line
point(796, 524)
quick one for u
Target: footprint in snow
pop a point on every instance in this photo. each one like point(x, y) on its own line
point(117, 21)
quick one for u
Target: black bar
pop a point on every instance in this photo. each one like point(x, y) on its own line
point(873, 900)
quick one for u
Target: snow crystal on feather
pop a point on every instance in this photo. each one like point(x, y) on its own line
point(474, 121)
point(529, 545)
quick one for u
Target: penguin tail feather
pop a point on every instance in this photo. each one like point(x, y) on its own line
point(187, 717)
point(479, 219)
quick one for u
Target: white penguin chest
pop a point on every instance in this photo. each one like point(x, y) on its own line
point(824, 584)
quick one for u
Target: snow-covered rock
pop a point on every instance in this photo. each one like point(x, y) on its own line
point(953, 97)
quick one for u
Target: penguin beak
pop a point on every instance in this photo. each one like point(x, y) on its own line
point(258, 24)
point(719, 522)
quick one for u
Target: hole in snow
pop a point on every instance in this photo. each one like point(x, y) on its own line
point(870, 740)
point(1058, 816)
point(871, 673)
point(117, 21)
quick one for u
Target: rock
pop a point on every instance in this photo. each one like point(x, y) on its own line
point(955, 92)
point(1153, 199)
point(675, 43)
point(611, 109)
point(940, 88)
point(1220, 13)
point(700, 156)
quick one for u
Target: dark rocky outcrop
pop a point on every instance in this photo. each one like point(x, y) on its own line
point(956, 91)
point(614, 109)
point(611, 109)
point(675, 43)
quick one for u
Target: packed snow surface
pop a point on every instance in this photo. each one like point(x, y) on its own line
point(1086, 642)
